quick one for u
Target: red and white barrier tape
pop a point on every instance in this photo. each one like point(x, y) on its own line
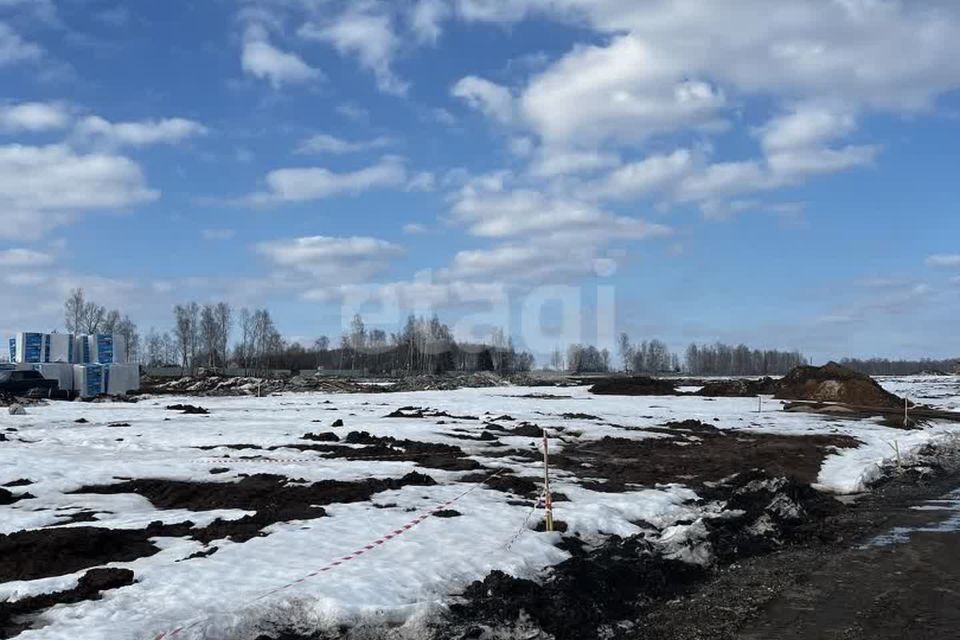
point(344, 559)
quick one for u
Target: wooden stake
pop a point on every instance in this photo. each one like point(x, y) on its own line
point(759, 404)
point(906, 414)
point(547, 498)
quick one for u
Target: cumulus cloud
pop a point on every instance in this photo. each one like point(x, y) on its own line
point(366, 31)
point(262, 60)
point(33, 117)
point(44, 187)
point(14, 49)
point(331, 259)
point(426, 18)
point(490, 98)
point(626, 91)
point(137, 134)
point(325, 143)
point(315, 183)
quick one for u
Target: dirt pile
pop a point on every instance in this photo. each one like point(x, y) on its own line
point(600, 593)
point(583, 598)
point(835, 383)
point(637, 386)
point(770, 513)
point(696, 453)
point(738, 388)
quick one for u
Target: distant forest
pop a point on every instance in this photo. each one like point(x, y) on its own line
point(884, 367)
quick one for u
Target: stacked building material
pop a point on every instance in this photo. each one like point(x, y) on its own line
point(62, 372)
point(89, 364)
point(120, 379)
point(30, 348)
point(62, 347)
point(89, 380)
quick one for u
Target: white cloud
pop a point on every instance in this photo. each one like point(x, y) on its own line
point(325, 143)
point(334, 259)
point(792, 165)
point(493, 100)
point(366, 31)
point(426, 17)
point(33, 117)
point(137, 134)
point(551, 163)
point(262, 60)
point(805, 126)
point(44, 187)
point(641, 178)
point(315, 183)
point(20, 258)
point(14, 49)
point(853, 50)
point(626, 91)
point(944, 260)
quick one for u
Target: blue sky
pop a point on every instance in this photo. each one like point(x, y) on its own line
point(783, 179)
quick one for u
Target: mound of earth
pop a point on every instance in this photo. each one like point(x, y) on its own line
point(637, 386)
point(835, 383)
point(738, 388)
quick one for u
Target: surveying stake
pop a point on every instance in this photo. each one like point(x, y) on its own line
point(547, 498)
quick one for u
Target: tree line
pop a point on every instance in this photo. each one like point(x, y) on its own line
point(214, 335)
point(885, 367)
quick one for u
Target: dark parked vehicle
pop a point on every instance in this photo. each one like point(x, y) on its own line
point(28, 383)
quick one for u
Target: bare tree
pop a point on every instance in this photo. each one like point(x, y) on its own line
point(626, 351)
point(223, 315)
point(73, 311)
point(185, 330)
point(209, 334)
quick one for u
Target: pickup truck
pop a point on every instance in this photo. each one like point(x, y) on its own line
point(28, 383)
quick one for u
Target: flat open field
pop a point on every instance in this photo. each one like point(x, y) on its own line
point(314, 512)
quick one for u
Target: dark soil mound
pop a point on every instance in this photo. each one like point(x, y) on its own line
point(431, 455)
point(420, 412)
point(775, 512)
point(7, 497)
point(188, 409)
point(41, 553)
point(835, 383)
point(328, 436)
point(696, 453)
point(738, 388)
point(638, 386)
point(90, 586)
point(582, 598)
point(273, 498)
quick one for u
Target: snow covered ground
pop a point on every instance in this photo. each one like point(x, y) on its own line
point(228, 593)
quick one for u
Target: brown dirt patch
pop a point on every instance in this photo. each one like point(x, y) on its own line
point(14, 615)
point(636, 386)
point(696, 454)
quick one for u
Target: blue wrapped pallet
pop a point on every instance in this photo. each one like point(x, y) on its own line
point(89, 379)
point(31, 348)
